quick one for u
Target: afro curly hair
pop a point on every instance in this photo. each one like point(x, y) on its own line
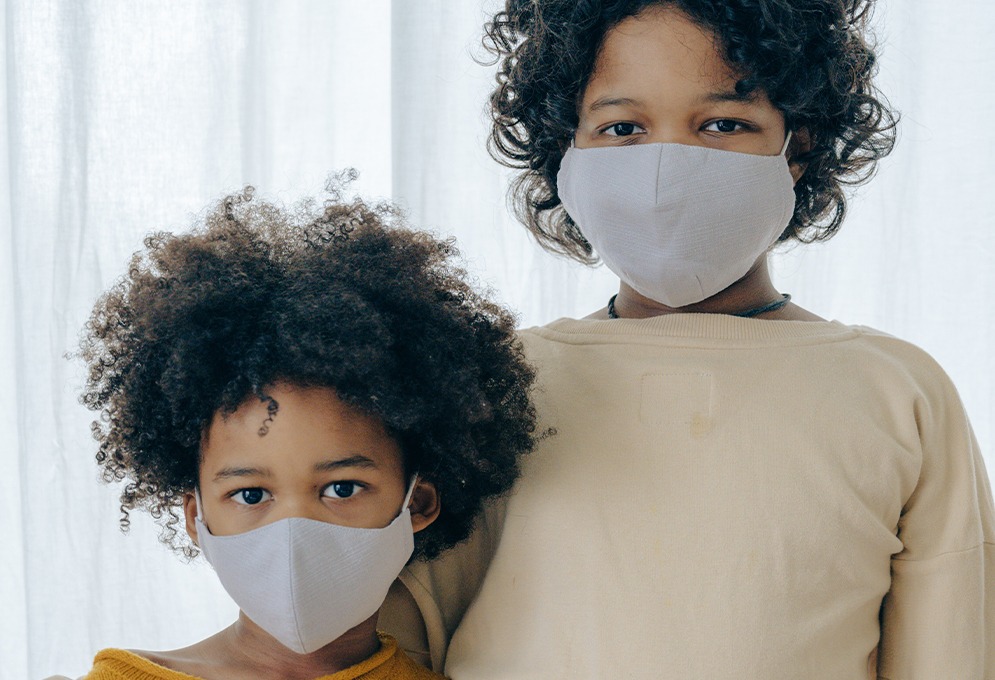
point(811, 58)
point(339, 295)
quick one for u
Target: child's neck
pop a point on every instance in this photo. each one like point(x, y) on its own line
point(753, 290)
point(251, 652)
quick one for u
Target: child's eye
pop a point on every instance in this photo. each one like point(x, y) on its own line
point(725, 126)
point(622, 130)
point(340, 489)
point(252, 496)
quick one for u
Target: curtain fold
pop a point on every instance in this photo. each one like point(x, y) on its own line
point(122, 117)
point(13, 581)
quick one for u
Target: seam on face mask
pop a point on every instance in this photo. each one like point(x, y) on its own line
point(293, 584)
point(656, 184)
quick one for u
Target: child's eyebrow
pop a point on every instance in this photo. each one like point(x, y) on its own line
point(357, 460)
point(728, 96)
point(710, 98)
point(227, 472)
point(353, 461)
point(605, 102)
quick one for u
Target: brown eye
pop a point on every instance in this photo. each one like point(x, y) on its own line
point(622, 130)
point(725, 126)
point(341, 489)
point(253, 496)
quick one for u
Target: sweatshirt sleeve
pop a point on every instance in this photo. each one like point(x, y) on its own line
point(427, 603)
point(938, 618)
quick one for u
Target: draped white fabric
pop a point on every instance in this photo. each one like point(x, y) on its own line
point(125, 116)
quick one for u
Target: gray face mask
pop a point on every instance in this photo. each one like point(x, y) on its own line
point(307, 582)
point(677, 223)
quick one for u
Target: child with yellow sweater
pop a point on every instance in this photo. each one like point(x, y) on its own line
point(317, 396)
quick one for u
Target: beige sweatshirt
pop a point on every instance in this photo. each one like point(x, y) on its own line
point(724, 498)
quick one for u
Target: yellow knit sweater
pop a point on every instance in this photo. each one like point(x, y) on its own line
point(389, 663)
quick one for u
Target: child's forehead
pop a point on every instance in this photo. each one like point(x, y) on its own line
point(663, 39)
point(291, 425)
point(662, 58)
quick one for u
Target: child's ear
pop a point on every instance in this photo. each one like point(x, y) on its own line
point(801, 142)
point(190, 514)
point(424, 505)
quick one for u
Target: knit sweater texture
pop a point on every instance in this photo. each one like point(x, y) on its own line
point(389, 663)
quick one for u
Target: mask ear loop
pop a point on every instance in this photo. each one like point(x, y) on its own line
point(409, 494)
point(200, 510)
point(787, 140)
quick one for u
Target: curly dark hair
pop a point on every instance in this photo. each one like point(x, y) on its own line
point(339, 295)
point(812, 58)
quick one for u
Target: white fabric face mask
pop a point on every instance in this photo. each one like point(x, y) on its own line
point(307, 582)
point(677, 223)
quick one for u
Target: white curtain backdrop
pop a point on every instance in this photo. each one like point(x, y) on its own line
point(124, 116)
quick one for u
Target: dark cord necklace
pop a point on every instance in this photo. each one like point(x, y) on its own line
point(747, 313)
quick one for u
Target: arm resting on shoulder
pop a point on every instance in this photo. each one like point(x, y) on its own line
point(427, 602)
